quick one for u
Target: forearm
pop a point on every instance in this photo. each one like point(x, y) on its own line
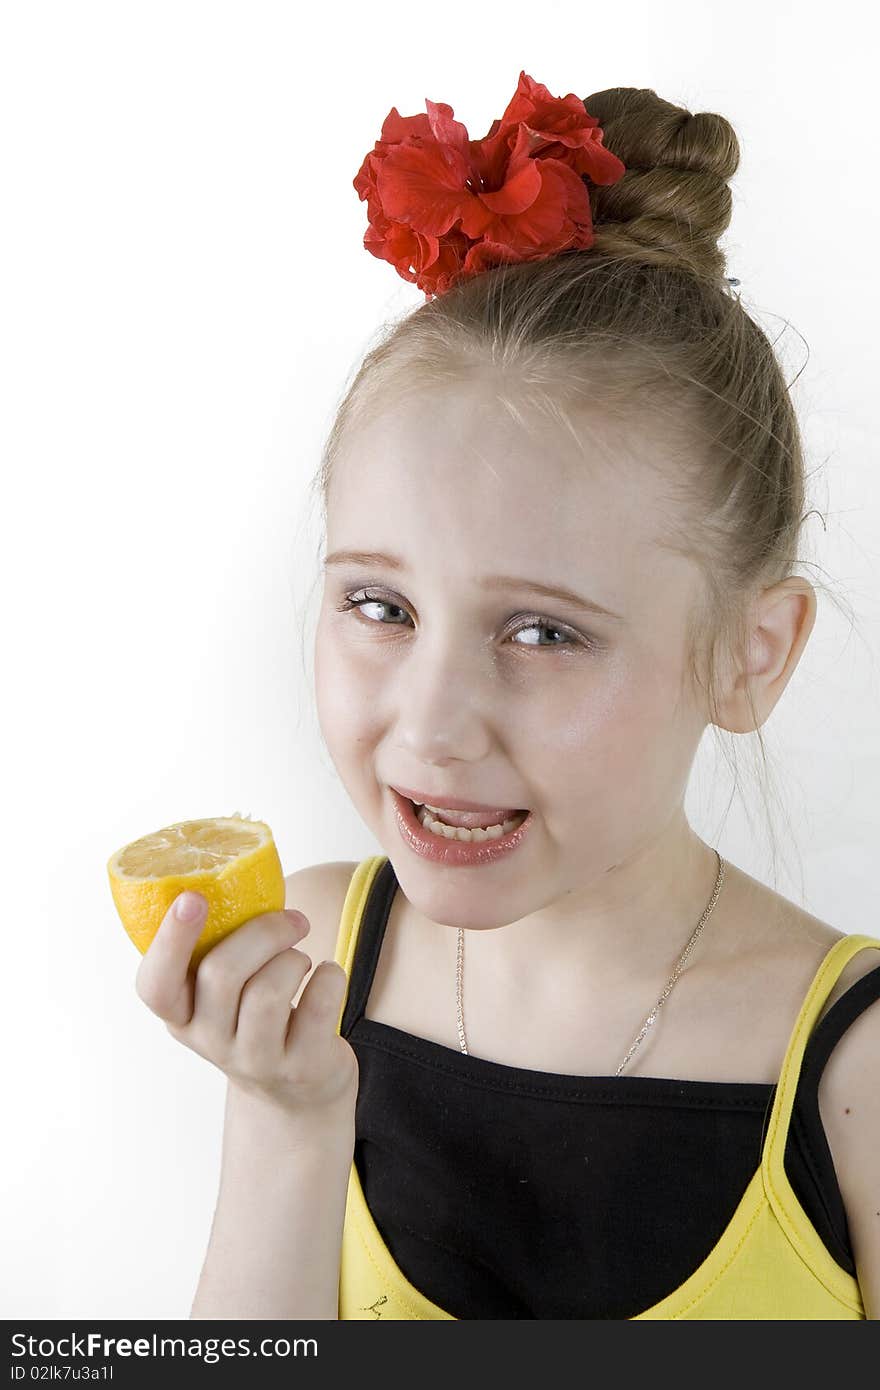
point(276, 1238)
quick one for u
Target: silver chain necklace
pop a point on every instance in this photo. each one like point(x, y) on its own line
point(649, 1021)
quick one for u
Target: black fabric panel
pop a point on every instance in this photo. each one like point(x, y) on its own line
point(545, 1199)
point(510, 1193)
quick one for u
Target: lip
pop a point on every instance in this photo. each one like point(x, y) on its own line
point(452, 853)
point(450, 803)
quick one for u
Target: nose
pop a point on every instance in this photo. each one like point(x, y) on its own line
point(445, 709)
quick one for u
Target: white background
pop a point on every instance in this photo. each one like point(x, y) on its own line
point(185, 295)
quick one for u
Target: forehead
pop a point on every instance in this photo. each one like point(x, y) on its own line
point(454, 464)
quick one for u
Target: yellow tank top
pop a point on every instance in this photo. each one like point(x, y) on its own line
point(770, 1262)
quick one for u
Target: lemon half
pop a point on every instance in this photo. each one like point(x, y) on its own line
point(231, 860)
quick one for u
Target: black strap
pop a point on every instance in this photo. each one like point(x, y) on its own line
point(809, 1160)
point(832, 1027)
point(369, 943)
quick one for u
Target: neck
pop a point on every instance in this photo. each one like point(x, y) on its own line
point(632, 924)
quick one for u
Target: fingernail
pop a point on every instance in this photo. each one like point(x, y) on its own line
point(298, 919)
point(188, 907)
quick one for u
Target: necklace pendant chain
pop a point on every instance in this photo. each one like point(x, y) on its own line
point(459, 971)
point(652, 1016)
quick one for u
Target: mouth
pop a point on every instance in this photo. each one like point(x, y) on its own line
point(431, 838)
point(466, 813)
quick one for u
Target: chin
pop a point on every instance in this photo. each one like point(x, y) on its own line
point(446, 900)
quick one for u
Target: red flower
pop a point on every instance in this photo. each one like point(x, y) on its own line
point(442, 207)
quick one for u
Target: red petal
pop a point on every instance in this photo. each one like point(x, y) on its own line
point(424, 187)
point(446, 130)
point(548, 224)
point(396, 128)
point(518, 192)
point(531, 97)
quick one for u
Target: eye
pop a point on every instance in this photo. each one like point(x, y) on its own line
point(358, 600)
point(535, 623)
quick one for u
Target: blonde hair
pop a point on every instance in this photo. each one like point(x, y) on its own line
point(643, 321)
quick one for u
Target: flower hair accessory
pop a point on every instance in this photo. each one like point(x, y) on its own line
point(442, 207)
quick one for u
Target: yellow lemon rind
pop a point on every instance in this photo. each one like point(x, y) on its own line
point(249, 883)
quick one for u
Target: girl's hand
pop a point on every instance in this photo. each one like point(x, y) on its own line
point(235, 1009)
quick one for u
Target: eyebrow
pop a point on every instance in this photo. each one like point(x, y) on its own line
point(377, 559)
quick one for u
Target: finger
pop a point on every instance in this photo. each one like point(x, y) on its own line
point(264, 1011)
point(164, 981)
point(312, 1026)
point(226, 969)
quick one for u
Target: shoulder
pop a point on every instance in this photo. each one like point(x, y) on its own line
point(779, 941)
point(849, 1107)
point(861, 964)
point(318, 891)
point(760, 967)
point(785, 946)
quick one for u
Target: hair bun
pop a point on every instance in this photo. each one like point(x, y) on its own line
point(674, 202)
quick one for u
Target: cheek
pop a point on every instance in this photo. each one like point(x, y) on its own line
point(344, 703)
point(605, 751)
point(594, 720)
point(332, 691)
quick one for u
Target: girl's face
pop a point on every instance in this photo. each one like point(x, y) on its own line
point(447, 681)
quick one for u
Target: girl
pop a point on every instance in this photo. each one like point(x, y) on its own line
point(555, 1056)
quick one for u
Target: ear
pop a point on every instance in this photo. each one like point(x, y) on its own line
point(781, 623)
